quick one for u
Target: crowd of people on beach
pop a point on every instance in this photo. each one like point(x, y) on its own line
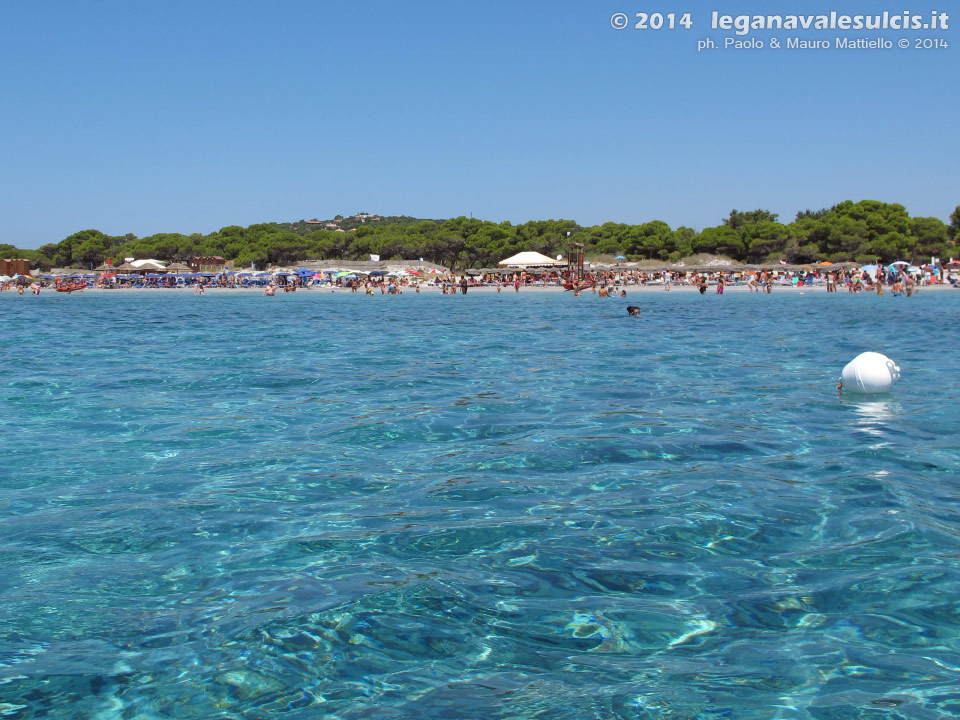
point(899, 279)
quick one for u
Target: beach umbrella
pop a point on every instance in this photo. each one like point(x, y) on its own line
point(620, 257)
point(900, 262)
point(377, 272)
point(871, 269)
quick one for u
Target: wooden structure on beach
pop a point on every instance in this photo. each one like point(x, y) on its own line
point(18, 266)
point(208, 264)
point(575, 263)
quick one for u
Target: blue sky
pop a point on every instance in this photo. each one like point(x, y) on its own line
point(175, 116)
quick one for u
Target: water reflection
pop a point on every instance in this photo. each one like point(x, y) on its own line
point(873, 416)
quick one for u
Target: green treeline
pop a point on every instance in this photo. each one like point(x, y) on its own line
point(863, 231)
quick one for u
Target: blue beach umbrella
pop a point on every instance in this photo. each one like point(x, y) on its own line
point(619, 257)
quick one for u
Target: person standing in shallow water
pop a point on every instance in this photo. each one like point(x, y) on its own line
point(463, 285)
point(908, 284)
point(720, 283)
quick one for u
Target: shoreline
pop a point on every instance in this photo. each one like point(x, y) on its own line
point(630, 290)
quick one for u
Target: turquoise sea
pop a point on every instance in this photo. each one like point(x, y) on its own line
point(485, 506)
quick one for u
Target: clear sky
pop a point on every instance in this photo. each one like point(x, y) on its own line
point(186, 116)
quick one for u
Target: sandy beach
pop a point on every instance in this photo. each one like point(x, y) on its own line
point(436, 290)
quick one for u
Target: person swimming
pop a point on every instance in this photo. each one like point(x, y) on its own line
point(633, 311)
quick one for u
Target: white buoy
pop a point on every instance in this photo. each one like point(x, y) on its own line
point(869, 372)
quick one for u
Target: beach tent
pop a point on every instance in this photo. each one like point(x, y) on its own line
point(146, 265)
point(530, 259)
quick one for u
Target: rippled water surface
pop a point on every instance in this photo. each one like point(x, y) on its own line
point(514, 506)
